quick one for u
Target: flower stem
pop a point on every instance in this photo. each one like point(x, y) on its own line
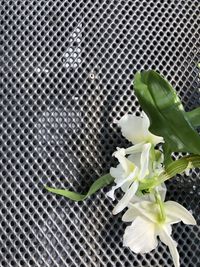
point(161, 206)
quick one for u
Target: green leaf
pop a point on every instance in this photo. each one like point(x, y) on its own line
point(98, 184)
point(179, 166)
point(176, 167)
point(167, 116)
point(167, 152)
point(194, 117)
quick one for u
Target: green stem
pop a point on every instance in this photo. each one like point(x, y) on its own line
point(161, 206)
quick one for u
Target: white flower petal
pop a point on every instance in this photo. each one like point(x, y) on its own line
point(126, 164)
point(156, 139)
point(111, 193)
point(121, 183)
point(168, 229)
point(168, 241)
point(176, 213)
point(145, 197)
point(130, 215)
point(123, 203)
point(152, 138)
point(136, 129)
point(145, 122)
point(144, 161)
point(136, 199)
point(117, 173)
point(135, 149)
point(120, 155)
point(147, 209)
point(126, 185)
point(132, 128)
point(140, 237)
point(135, 158)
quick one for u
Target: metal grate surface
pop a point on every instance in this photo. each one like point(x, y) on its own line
point(66, 68)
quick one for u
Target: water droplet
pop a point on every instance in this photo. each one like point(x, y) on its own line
point(38, 70)
point(47, 70)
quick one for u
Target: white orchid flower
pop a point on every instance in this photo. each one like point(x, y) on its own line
point(128, 168)
point(148, 224)
point(136, 129)
point(131, 171)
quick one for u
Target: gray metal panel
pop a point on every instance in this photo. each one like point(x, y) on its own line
point(66, 69)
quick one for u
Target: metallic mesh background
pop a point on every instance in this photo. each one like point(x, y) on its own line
point(66, 69)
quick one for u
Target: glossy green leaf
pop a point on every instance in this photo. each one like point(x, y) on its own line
point(176, 167)
point(167, 116)
point(167, 154)
point(98, 184)
point(194, 117)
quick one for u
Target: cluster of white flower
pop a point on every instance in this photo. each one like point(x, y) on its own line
point(150, 214)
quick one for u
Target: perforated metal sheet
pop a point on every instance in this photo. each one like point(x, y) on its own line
point(66, 74)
